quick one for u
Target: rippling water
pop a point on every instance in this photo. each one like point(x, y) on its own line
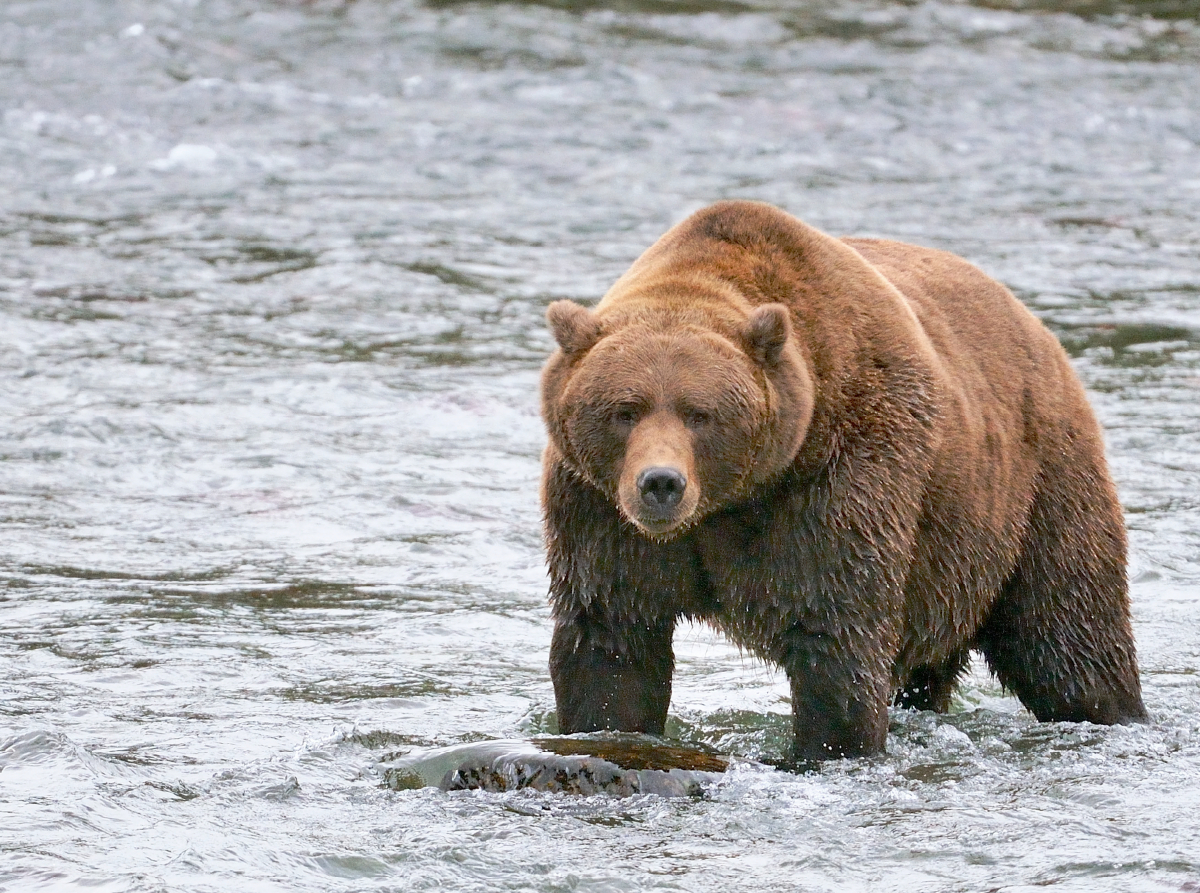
point(271, 286)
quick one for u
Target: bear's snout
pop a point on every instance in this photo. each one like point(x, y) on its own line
point(661, 489)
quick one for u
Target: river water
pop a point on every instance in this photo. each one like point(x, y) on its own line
point(272, 278)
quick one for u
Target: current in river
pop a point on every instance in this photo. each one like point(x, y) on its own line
point(272, 283)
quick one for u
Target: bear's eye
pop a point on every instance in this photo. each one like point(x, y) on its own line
point(625, 414)
point(696, 418)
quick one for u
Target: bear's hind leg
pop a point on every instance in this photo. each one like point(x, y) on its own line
point(930, 687)
point(1059, 635)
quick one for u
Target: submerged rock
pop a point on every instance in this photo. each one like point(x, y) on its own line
point(615, 764)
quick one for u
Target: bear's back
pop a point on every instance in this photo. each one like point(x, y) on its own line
point(999, 357)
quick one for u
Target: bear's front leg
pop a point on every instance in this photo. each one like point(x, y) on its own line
point(810, 576)
point(611, 676)
point(615, 596)
point(839, 696)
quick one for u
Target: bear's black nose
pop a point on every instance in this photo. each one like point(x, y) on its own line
point(661, 488)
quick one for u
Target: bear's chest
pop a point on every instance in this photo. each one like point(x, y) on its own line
point(757, 555)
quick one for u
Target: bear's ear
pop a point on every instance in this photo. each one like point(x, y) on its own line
point(767, 332)
point(575, 328)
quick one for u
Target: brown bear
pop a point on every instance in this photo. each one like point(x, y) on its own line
point(859, 459)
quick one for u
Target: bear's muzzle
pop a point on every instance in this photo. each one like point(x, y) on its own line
point(661, 490)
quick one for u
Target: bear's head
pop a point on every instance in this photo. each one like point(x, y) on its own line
point(670, 417)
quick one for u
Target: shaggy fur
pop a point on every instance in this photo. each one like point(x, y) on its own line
point(859, 459)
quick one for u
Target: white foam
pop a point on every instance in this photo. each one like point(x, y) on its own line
point(187, 156)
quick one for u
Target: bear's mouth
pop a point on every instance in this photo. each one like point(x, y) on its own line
point(658, 528)
point(661, 500)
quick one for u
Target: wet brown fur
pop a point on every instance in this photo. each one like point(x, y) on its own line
point(889, 463)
